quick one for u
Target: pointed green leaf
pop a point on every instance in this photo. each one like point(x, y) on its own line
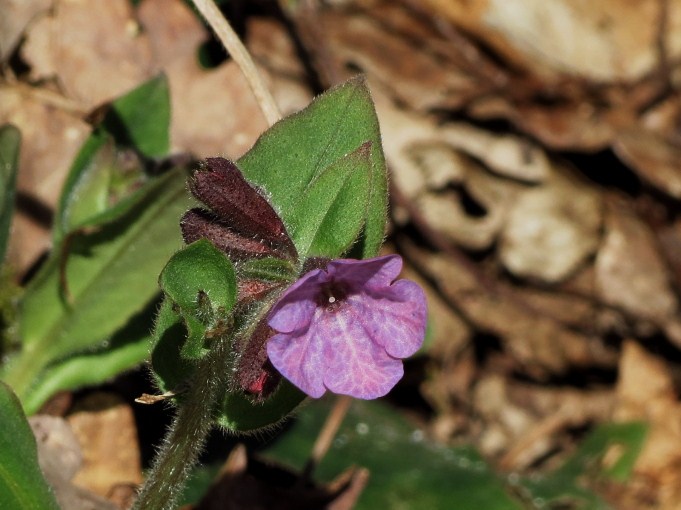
point(97, 190)
point(291, 154)
point(22, 485)
point(109, 276)
point(126, 349)
point(141, 118)
point(331, 211)
point(86, 191)
point(10, 140)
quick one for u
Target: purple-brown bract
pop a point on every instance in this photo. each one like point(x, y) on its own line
point(241, 222)
point(347, 328)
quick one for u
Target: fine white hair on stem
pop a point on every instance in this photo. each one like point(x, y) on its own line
point(230, 40)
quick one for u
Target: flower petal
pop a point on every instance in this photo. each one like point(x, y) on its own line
point(354, 364)
point(354, 345)
point(395, 317)
point(298, 357)
point(295, 308)
point(372, 273)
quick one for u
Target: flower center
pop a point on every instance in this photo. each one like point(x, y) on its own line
point(332, 296)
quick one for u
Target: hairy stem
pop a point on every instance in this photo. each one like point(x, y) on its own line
point(240, 54)
point(187, 434)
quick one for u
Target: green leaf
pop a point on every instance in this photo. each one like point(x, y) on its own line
point(566, 484)
point(331, 211)
point(170, 335)
point(123, 351)
point(239, 414)
point(22, 485)
point(297, 149)
point(407, 471)
point(201, 281)
point(200, 268)
point(110, 276)
point(10, 141)
point(141, 118)
point(86, 191)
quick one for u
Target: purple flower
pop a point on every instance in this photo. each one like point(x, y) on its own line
point(346, 328)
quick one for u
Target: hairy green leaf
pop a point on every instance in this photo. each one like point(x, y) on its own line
point(200, 269)
point(123, 351)
point(108, 276)
point(297, 149)
point(240, 414)
point(22, 485)
point(331, 212)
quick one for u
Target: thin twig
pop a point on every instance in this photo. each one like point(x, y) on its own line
point(241, 56)
point(326, 435)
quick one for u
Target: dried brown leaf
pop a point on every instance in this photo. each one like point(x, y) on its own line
point(551, 229)
point(653, 158)
point(537, 343)
point(59, 456)
point(604, 40)
point(630, 273)
point(105, 428)
point(95, 50)
point(656, 402)
point(16, 15)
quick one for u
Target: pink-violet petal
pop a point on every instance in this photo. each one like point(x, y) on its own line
point(354, 364)
point(298, 359)
point(395, 317)
point(295, 308)
point(373, 273)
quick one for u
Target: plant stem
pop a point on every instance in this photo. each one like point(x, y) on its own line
point(241, 56)
point(187, 434)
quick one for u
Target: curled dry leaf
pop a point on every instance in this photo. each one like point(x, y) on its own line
point(656, 402)
point(568, 125)
point(551, 229)
point(16, 15)
point(105, 428)
point(630, 273)
point(377, 41)
point(537, 343)
point(462, 180)
point(94, 49)
point(443, 204)
point(60, 458)
point(653, 157)
point(604, 40)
